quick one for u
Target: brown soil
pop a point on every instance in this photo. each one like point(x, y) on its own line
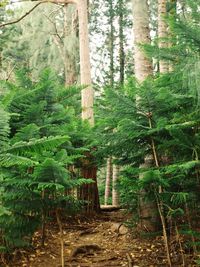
point(97, 242)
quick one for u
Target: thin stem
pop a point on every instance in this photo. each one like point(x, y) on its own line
point(158, 201)
point(160, 210)
point(61, 238)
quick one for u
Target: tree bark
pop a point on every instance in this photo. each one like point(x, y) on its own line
point(85, 67)
point(143, 66)
point(162, 32)
point(111, 48)
point(89, 192)
point(89, 170)
point(121, 41)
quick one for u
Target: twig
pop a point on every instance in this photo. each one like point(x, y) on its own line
point(130, 261)
point(55, 27)
point(10, 73)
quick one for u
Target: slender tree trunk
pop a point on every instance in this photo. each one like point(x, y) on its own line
point(121, 41)
point(108, 180)
point(112, 73)
point(115, 194)
point(61, 238)
point(162, 32)
point(111, 48)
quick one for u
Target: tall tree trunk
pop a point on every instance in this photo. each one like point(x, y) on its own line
point(143, 66)
point(121, 41)
point(115, 193)
point(89, 170)
point(111, 74)
point(111, 48)
point(162, 32)
point(85, 67)
point(108, 180)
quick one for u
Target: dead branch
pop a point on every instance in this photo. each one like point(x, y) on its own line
point(55, 27)
point(130, 261)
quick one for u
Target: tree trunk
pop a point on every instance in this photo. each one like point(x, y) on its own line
point(85, 67)
point(89, 192)
point(111, 48)
point(115, 194)
point(89, 170)
point(162, 32)
point(148, 211)
point(108, 180)
point(112, 73)
point(143, 66)
point(121, 41)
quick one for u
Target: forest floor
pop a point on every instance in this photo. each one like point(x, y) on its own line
point(98, 242)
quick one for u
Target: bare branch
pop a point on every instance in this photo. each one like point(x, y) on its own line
point(10, 73)
point(55, 27)
point(22, 17)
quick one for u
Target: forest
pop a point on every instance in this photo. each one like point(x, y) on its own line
point(99, 135)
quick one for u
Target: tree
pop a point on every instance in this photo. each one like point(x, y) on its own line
point(120, 11)
point(111, 41)
point(143, 69)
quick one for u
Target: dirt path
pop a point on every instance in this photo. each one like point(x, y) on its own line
point(96, 243)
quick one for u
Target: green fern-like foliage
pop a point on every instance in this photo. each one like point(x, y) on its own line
point(41, 138)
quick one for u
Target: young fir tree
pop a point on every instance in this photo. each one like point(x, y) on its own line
point(45, 141)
